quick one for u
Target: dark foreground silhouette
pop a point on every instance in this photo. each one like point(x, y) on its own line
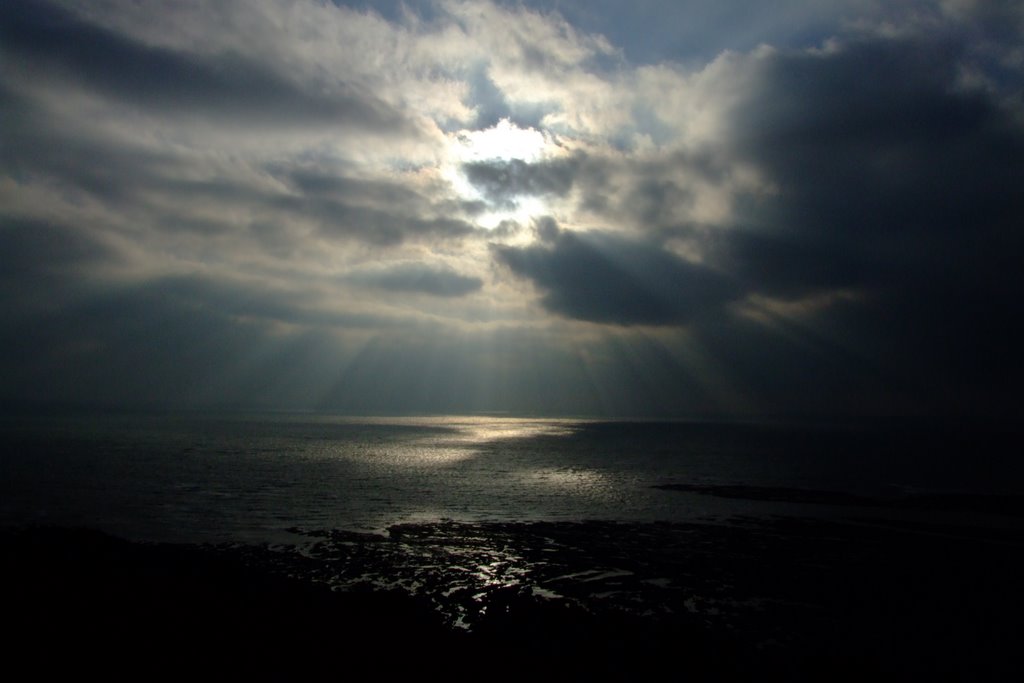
point(757, 600)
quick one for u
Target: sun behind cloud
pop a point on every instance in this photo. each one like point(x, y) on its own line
point(503, 142)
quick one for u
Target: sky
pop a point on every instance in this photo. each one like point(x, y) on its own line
point(645, 208)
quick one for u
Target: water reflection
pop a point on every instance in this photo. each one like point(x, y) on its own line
point(172, 478)
point(446, 441)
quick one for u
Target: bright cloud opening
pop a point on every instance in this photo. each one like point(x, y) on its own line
point(503, 141)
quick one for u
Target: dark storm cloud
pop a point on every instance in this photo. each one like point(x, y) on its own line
point(419, 279)
point(605, 278)
point(45, 41)
point(896, 178)
point(791, 266)
point(502, 181)
point(897, 181)
point(30, 247)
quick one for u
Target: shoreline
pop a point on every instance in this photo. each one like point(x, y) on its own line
point(754, 599)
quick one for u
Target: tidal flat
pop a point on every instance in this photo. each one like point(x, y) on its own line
point(741, 598)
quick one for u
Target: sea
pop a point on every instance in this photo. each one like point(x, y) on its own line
point(265, 478)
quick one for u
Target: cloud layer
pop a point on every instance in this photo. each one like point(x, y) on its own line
point(466, 206)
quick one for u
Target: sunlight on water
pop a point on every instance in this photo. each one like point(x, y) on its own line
point(449, 440)
point(490, 429)
point(253, 477)
point(476, 428)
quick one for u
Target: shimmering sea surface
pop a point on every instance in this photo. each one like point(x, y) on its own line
point(254, 477)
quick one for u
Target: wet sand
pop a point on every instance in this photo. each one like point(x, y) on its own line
point(754, 599)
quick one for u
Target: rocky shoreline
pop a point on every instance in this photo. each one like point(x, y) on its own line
point(778, 598)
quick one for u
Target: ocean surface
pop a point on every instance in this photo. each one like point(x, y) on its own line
point(262, 478)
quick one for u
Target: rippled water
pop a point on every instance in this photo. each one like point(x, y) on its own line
point(254, 477)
